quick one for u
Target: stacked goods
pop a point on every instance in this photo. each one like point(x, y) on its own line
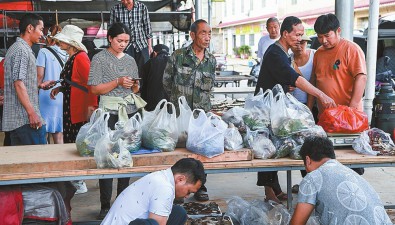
point(205, 214)
point(374, 142)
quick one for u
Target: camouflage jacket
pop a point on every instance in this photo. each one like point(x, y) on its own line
point(185, 75)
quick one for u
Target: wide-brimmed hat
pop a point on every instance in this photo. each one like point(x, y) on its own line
point(71, 35)
point(305, 38)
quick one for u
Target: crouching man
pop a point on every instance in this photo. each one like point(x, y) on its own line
point(337, 193)
point(149, 201)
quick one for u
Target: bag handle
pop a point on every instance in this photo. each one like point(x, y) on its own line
point(93, 116)
point(137, 117)
point(182, 101)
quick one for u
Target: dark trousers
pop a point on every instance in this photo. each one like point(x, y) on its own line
point(105, 185)
point(140, 57)
point(178, 216)
point(25, 135)
point(269, 179)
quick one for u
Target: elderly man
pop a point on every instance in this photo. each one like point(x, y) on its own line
point(276, 68)
point(149, 201)
point(134, 15)
point(190, 72)
point(273, 27)
point(337, 193)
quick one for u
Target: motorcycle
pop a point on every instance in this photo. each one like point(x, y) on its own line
point(254, 72)
point(385, 77)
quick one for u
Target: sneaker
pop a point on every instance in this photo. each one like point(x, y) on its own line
point(80, 185)
point(102, 214)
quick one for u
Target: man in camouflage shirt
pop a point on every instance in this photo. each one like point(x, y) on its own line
point(190, 71)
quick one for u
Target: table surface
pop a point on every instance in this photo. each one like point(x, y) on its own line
point(233, 77)
point(44, 163)
point(233, 90)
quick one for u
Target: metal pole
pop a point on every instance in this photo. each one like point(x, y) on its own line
point(198, 9)
point(344, 11)
point(371, 57)
point(209, 12)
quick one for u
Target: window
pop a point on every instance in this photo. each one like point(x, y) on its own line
point(294, 2)
point(242, 40)
point(251, 40)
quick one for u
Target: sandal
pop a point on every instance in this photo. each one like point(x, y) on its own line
point(201, 195)
point(282, 196)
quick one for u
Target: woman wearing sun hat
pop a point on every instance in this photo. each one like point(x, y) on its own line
point(78, 101)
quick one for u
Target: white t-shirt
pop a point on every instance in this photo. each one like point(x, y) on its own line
point(263, 44)
point(153, 193)
point(306, 70)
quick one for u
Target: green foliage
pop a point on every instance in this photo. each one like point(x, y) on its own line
point(245, 50)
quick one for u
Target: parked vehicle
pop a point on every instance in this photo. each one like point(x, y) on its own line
point(255, 73)
point(221, 61)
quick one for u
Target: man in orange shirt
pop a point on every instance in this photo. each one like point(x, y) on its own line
point(339, 67)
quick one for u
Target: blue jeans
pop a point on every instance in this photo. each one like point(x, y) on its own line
point(25, 135)
point(178, 216)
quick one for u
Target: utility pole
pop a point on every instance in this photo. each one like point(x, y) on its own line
point(344, 11)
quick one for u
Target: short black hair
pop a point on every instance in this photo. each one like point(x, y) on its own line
point(317, 148)
point(29, 19)
point(195, 24)
point(192, 168)
point(117, 29)
point(288, 23)
point(326, 23)
point(272, 19)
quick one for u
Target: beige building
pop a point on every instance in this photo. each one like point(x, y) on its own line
point(244, 22)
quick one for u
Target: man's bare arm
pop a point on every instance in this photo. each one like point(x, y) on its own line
point(23, 97)
point(302, 213)
point(162, 220)
point(357, 90)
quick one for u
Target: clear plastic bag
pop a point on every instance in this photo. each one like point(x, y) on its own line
point(263, 148)
point(233, 139)
point(183, 121)
point(258, 108)
point(163, 133)
point(284, 146)
point(279, 215)
point(130, 132)
point(235, 116)
point(288, 115)
point(246, 213)
point(206, 134)
point(374, 142)
point(112, 154)
point(91, 132)
point(253, 134)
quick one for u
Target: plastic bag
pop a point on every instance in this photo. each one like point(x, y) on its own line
point(112, 154)
point(284, 146)
point(235, 116)
point(162, 133)
point(130, 132)
point(374, 142)
point(206, 134)
point(256, 118)
point(232, 138)
point(288, 115)
point(263, 148)
point(251, 135)
point(258, 107)
point(343, 119)
point(246, 213)
point(91, 132)
point(183, 121)
point(279, 215)
point(299, 137)
point(148, 119)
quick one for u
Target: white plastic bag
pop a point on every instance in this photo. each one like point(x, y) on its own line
point(233, 139)
point(148, 119)
point(206, 134)
point(162, 134)
point(183, 121)
point(112, 154)
point(91, 132)
point(263, 148)
point(130, 132)
point(374, 142)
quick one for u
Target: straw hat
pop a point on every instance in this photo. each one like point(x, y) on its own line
point(71, 35)
point(305, 38)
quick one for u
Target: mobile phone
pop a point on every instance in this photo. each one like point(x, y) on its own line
point(136, 78)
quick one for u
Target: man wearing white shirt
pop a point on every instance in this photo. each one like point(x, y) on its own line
point(273, 27)
point(149, 201)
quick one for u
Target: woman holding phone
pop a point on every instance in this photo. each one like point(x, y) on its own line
point(114, 76)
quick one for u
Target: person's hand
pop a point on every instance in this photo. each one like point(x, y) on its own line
point(326, 101)
point(125, 82)
point(54, 92)
point(291, 88)
point(89, 112)
point(34, 120)
point(150, 50)
point(1, 100)
point(46, 85)
point(353, 105)
point(135, 86)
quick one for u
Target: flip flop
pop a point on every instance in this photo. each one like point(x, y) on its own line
point(282, 196)
point(201, 195)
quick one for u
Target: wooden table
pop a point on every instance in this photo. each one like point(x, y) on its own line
point(51, 163)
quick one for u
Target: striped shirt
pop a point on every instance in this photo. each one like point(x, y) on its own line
point(137, 19)
point(20, 64)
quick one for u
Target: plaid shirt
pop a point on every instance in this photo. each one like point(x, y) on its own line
point(137, 19)
point(20, 64)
